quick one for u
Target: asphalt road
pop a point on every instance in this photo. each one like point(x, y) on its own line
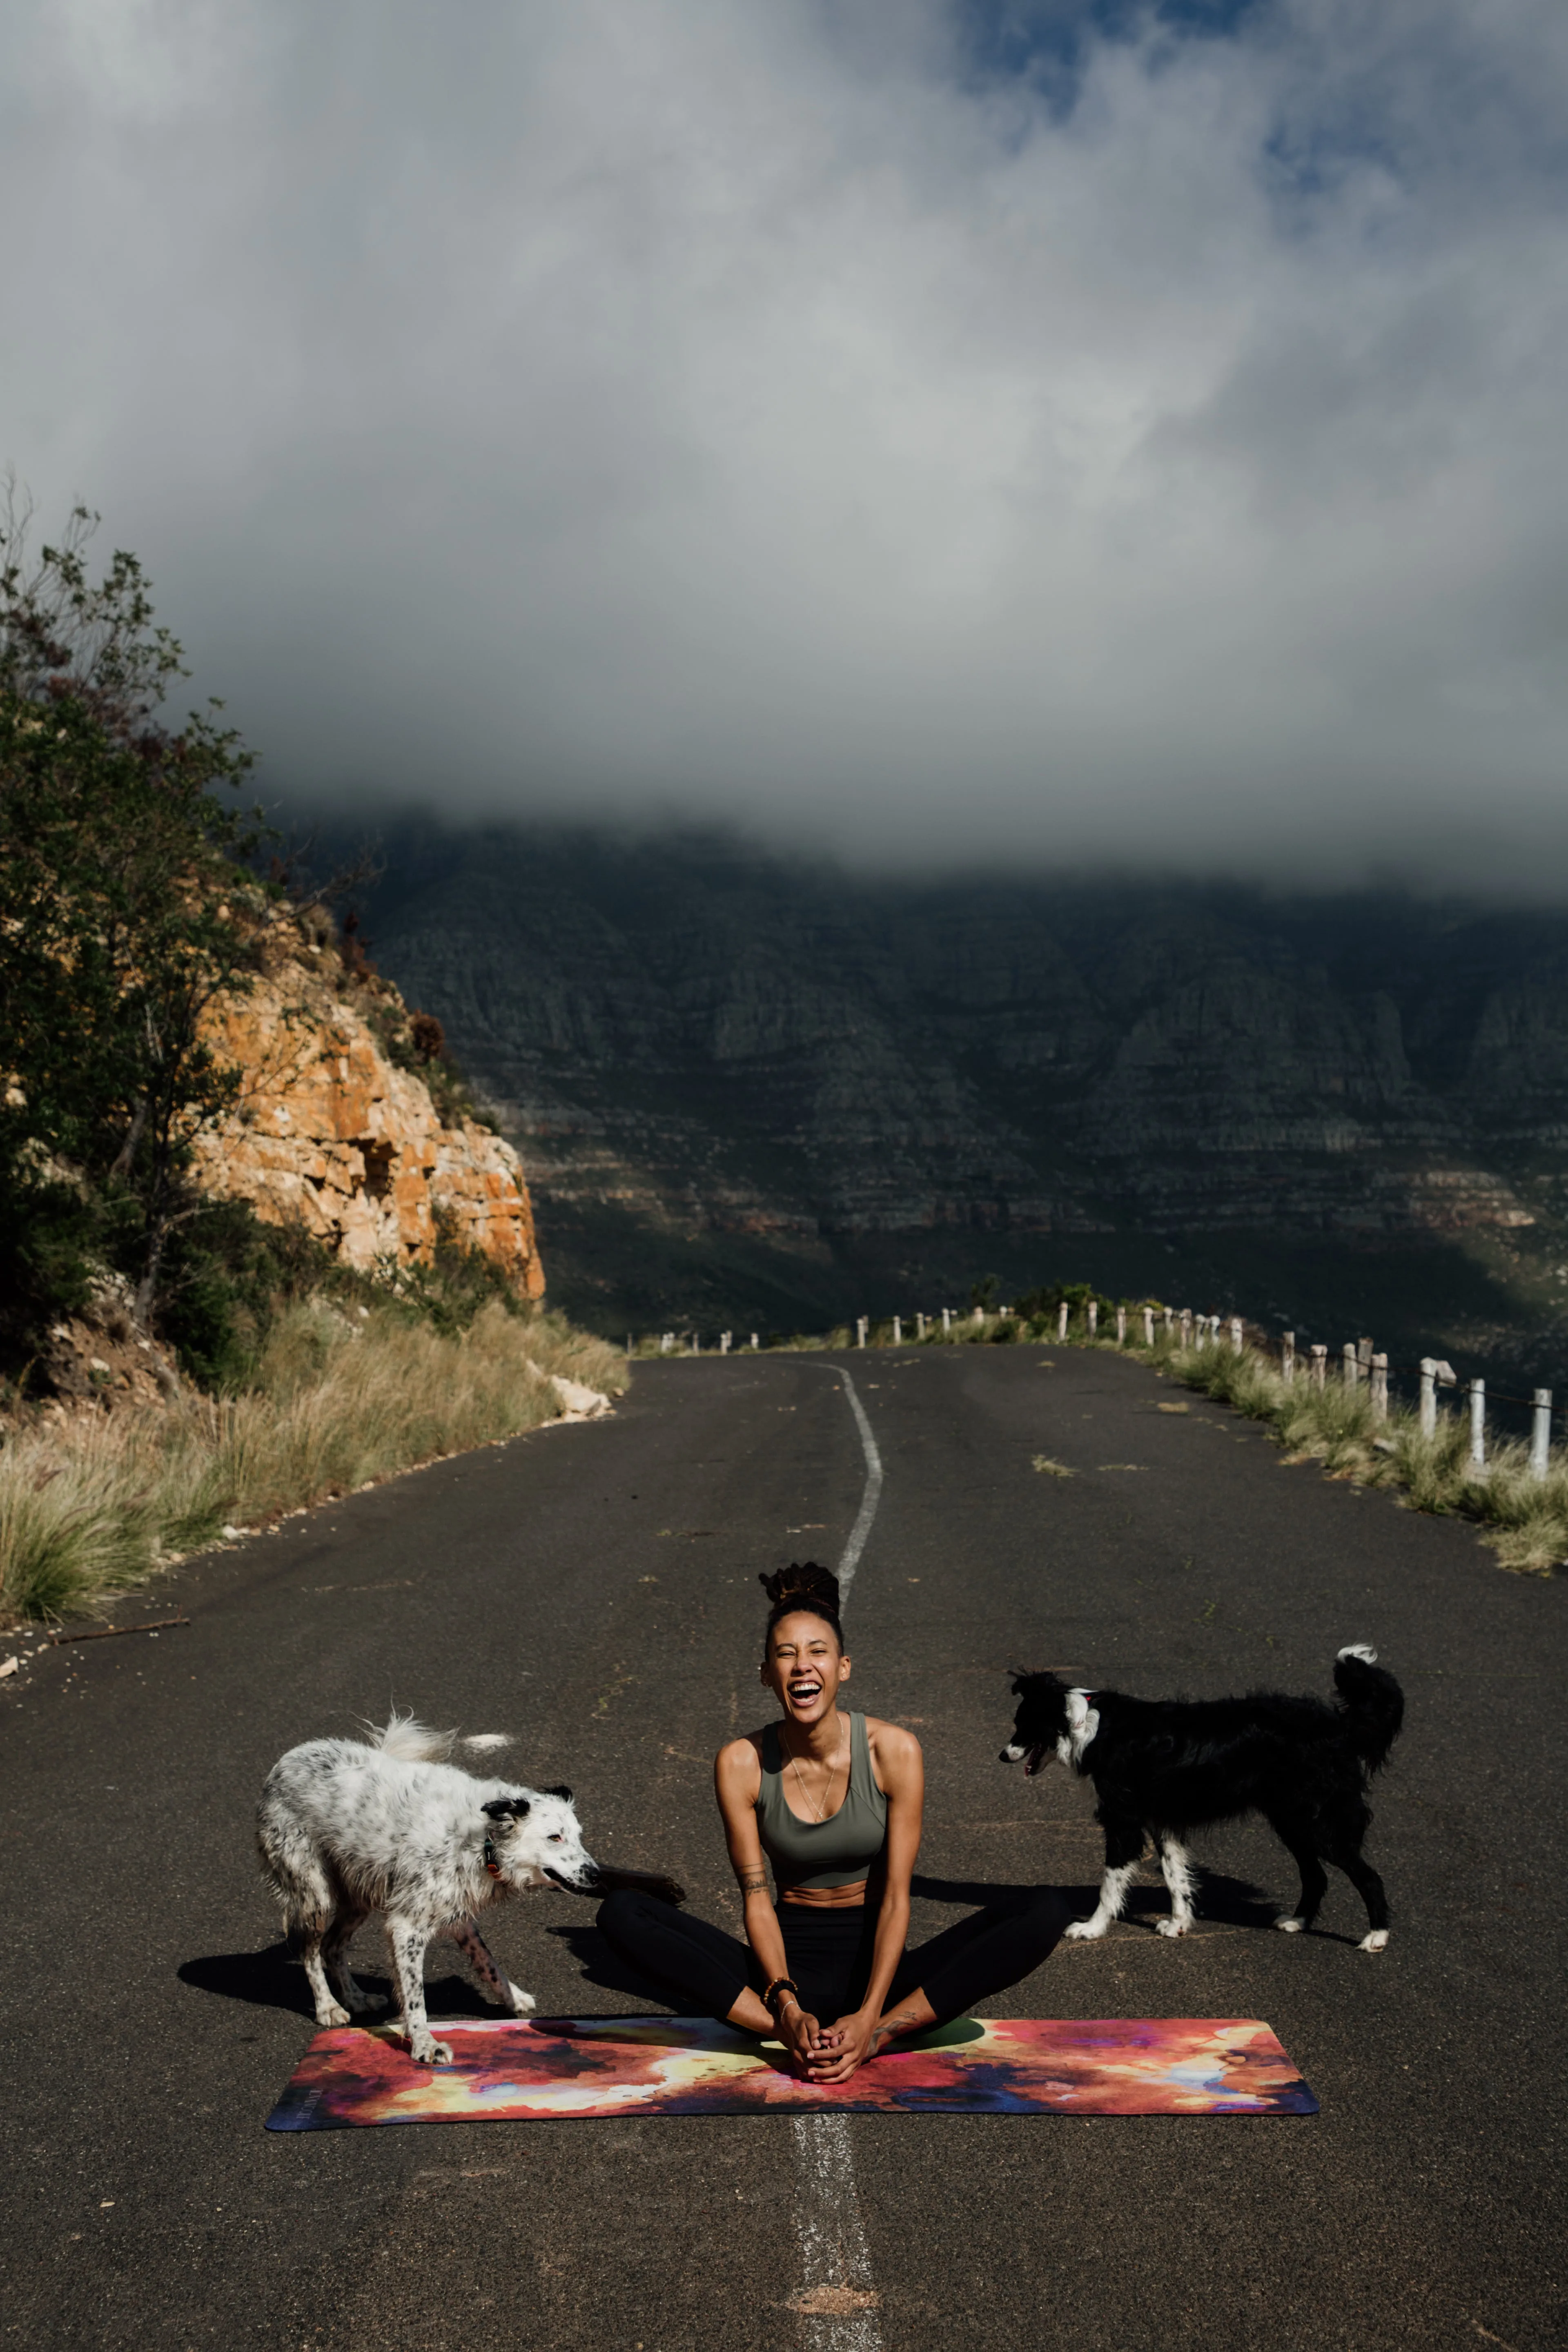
point(593, 1590)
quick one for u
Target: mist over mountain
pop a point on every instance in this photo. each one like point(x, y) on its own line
point(754, 1091)
point(921, 431)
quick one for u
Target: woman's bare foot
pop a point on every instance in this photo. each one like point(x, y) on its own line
point(912, 2016)
point(750, 2016)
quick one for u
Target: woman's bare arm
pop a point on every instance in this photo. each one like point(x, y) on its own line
point(900, 1769)
point(737, 1777)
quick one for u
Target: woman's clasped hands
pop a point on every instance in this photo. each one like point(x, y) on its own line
point(826, 2053)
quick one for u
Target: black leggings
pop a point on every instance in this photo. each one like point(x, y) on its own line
point(828, 1953)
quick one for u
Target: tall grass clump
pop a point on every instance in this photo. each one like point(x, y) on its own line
point(1522, 1519)
point(94, 1506)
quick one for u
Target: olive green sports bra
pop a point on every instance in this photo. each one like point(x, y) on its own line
point(839, 1852)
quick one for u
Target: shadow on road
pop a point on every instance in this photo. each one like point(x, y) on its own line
point(274, 1979)
point(269, 1978)
point(1230, 1901)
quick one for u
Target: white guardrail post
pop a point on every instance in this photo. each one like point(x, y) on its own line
point(1149, 1325)
point(1093, 1317)
point(1319, 1370)
point(1540, 1434)
point(1235, 1335)
point(1478, 1424)
point(1121, 1327)
point(1352, 1363)
point(1062, 1320)
point(1287, 1359)
point(1380, 1388)
point(1429, 1407)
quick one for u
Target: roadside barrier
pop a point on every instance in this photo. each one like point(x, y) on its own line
point(1357, 1364)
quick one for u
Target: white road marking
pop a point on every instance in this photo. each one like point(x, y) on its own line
point(869, 1500)
point(836, 2300)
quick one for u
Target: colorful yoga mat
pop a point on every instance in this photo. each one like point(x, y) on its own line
point(508, 2069)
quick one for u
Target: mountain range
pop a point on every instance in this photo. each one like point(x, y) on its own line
point(756, 1090)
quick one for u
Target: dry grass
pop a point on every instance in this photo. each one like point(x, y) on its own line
point(96, 1504)
point(1524, 1519)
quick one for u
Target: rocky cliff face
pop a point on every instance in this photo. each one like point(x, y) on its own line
point(697, 1040)
point(331, 1134)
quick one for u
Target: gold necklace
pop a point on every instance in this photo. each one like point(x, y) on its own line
point(821, 1811)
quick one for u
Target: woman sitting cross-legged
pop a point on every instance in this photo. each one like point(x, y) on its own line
point(835, 1801)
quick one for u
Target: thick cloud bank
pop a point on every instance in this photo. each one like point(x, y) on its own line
point(928, 435)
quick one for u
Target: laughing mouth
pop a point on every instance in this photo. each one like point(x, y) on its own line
point(804, 1693)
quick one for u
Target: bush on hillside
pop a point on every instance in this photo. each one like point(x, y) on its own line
point(119, 880)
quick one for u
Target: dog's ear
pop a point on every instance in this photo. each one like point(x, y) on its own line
point(501, 1809)
point(563, 1793)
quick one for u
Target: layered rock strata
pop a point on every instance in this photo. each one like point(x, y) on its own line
point(710, 1041)
point(331, 1134)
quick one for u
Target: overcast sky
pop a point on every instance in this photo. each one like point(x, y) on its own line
point(935, 433)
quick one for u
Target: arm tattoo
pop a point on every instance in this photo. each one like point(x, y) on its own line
point(754, 1882)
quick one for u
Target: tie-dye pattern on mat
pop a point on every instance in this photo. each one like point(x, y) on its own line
point(505, 2069)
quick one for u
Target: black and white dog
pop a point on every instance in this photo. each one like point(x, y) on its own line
point(1163, 1768)
point(348, 1828)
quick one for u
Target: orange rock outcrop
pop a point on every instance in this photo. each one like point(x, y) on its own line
point(329, 1133)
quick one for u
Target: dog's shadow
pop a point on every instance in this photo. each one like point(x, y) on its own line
point(1227, 1902)
point(274, 1979)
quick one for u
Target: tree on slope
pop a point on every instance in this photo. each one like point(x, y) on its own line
point(121, 850)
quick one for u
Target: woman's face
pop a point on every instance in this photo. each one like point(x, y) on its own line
point(804, 1667)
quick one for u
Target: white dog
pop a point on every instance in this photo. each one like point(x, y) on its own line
point(348, 1828)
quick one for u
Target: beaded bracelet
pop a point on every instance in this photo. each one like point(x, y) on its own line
point(779, 1985)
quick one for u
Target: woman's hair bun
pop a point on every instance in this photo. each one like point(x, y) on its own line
point(804, 1584)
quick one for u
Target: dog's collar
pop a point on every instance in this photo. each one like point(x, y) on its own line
point(492, 1865)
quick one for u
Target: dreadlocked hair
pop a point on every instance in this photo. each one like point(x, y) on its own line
point(804, 1584)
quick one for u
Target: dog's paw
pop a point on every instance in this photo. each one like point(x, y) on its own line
point(426, 2053)
point(1171, 1926)
point(1289, 1927)
point(1086, 1931)
point(1376, 1942)
point(334, 2014)
point(522, 2004)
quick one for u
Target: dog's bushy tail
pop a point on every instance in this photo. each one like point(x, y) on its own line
point(1372, 1701)
point(410, 1741)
